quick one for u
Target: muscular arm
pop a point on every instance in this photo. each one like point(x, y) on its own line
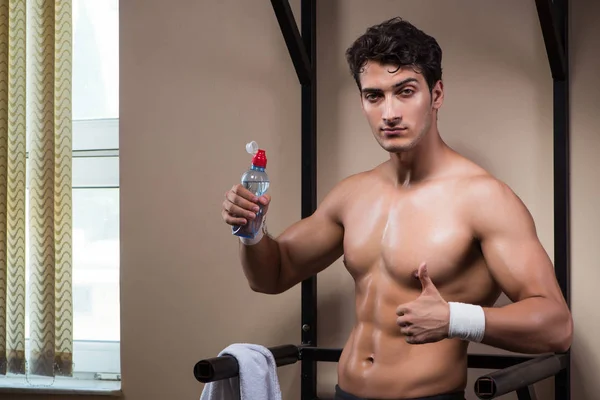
point(310, 245)
point(538, 320)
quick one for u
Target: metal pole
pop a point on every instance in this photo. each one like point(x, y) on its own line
point(309, 192)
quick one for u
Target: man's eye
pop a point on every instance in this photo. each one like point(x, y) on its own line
point(407, 92)
point(371, 97)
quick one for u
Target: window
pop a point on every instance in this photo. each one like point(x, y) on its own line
point(95, 201)
point(96, 310)
point(95, 99)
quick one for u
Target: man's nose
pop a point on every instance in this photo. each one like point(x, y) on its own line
point(391, 112)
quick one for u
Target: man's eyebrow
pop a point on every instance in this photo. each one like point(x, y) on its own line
point(396, 85)
point(404, 82)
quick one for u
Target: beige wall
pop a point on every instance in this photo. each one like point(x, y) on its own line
point(585, 123)
point(199, 79)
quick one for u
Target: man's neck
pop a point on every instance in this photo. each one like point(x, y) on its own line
point(420, 163)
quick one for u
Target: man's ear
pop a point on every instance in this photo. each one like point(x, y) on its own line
point(437, 95)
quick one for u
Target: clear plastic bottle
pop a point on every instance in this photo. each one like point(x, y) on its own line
point(256, 180)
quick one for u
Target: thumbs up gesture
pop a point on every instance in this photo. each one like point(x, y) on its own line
point(425, 319)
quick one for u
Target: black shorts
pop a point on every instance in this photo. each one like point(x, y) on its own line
point(342, 395)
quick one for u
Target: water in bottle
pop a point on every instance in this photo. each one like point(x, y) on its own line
point(256, 180)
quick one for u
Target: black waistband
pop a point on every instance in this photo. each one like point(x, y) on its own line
point(340, 394)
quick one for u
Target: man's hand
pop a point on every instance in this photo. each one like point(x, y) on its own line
point(426, 319)
point(241, 206)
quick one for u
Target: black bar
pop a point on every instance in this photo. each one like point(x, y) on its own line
point(562, 184)
point(309, 114)
point(308, 14)
point(226, 366)
point(320, 354)
point(562, 382)
point(562, 188)
point(562, 212)
point(552, 38)
point(292, 38)
point(520, 375)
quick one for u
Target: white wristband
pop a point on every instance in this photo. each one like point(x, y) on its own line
point(259, 234)
point(467, 322)
point(254, 240)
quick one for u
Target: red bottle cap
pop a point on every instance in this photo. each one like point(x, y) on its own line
point(260, 159)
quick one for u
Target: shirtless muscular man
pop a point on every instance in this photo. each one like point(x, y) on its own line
point(431, 244)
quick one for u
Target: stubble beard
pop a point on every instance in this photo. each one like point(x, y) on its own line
point(405, 145)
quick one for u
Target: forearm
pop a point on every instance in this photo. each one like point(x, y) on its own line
point(534, 325)
point(261, 264)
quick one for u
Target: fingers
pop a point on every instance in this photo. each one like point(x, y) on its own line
point(413, 340)
point(402, 310)
point(237, 210)
point(403, 322)
point(234, 215)
point(243, 198)
point(424, 276)
point(419, 339)
point(231, 220)
point(240, 205)
point(407, 330)
point(265, 199)
point(406, 327)
point(240, 191)
point(411, 335)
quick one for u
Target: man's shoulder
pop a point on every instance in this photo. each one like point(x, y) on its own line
point(345, 190)
point(491, 203)
point(475, 183)
point(484, 187)
point(353, 182)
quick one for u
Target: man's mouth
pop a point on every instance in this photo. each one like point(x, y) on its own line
point(393, 131)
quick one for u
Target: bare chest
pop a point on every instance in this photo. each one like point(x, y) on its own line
point(395, 234)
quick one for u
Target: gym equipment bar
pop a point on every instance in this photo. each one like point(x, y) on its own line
point(518, 372)
point(293, 40)
point(226, 366)
point(519, 376)
point(515, 373)
point(548, 16)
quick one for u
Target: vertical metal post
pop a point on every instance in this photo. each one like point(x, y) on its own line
point(562, 179)
point(309, 192)
point(562, 185)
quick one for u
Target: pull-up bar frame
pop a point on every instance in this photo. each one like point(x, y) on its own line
point(514, 373)
point(553, 18)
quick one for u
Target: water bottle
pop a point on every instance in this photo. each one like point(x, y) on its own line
point(256, 180)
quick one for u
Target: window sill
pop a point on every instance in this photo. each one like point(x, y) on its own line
point(60, 386)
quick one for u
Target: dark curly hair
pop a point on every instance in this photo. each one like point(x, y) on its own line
point(397, 42)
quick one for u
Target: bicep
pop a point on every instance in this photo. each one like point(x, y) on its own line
point(313, 243)
point(520, 265)
point(308, 247)
point(512, 250)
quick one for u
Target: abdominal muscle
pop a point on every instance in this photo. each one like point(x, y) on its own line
point(377, 362)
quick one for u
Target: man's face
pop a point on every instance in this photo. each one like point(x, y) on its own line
point(398, 105)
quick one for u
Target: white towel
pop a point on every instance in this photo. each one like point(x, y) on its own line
point(257, 378)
